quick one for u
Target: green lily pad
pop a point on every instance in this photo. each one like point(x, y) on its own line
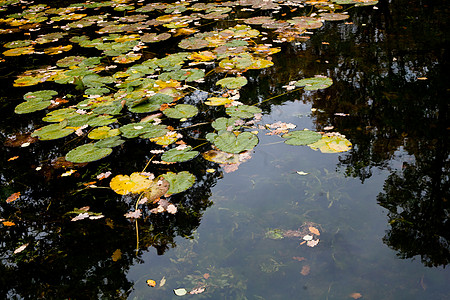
point(40, 95)
point(102, 120)
point(315, 83)
point(183, 75)
point(59, 115)
point(78, 120)
point(223, 124)
point(179, 182)
point(301, 137)
point(153, 37)
point(103, 132)
point(31, 106)
point(87, 153)
point(144, 130)
point(53, 131)
point(181, 111)
point(274, 234)
point(17, 44)
point(96, 91)
point(175, 155)
point(232, 82)
point(231, 143)
point(243, 111)
point(109, 142)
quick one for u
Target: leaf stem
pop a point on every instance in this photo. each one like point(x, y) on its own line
point(271, 98)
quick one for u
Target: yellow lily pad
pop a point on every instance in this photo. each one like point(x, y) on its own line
point(332, 144)
point(135, 183)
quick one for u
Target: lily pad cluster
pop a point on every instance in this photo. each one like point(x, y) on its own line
point(118, 72)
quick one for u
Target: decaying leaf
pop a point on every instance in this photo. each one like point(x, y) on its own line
point(21, 248)
point(305, 270)
point(355, 295)
point(13, 197)
point(133, 214)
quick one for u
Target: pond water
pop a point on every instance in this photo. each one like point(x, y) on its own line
point(288, 223)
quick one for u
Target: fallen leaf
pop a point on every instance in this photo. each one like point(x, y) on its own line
point(314, 230)
point(103, 175)
point(305, 270)
point(80, 216)
point(308, 237)
point(299, 258)
point(21, 248)
point(8, 223)
point(355, 295)
point(162, 282)
point(198, 290)
point(116, 255)
point(151, 283)
point(301, 173)
point(133, 214)
point(206, 275)
point(68, 173)
point(13, 158)
point(13, 197)
point(312, 243)
point(180, 292)
point(422, 78)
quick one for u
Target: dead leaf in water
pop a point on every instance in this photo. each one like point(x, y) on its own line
point(13, 197)
point(116, 255)
point(314, 230)
point(355, 295)
point(305, 270)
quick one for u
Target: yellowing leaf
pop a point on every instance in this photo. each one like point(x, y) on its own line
point(217, 101)
point(116, 255)
point(314, 230)
point(151, 282)
point(8, 223)
point(135, 183)
point(332, 143)
point(355, 295)
point(13, 158)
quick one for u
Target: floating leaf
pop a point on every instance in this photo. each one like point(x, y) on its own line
point(231, 143)
point(176, 155)
point(116, 255)
point(151, 282)
point(109, 142)
point(135, 183)
point(31, 106)
point(158, 188)
point(179, 182)
point(87, 153)
point(221, 157)
point(180, 292)
point(52, 131)
point(332, 144)
point(144, 130)
point(21, 248)
point(315, 83)
point(40, 95)
point(103, 132)
point(217, 101)
point(232, 82)
point(227, 124)
point(19, 51)
point(13, 197)
point(301, 137)
point(243, 111)
point(333, 16)
point(181, 111)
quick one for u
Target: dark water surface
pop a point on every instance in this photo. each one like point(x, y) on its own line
point(382, 208)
